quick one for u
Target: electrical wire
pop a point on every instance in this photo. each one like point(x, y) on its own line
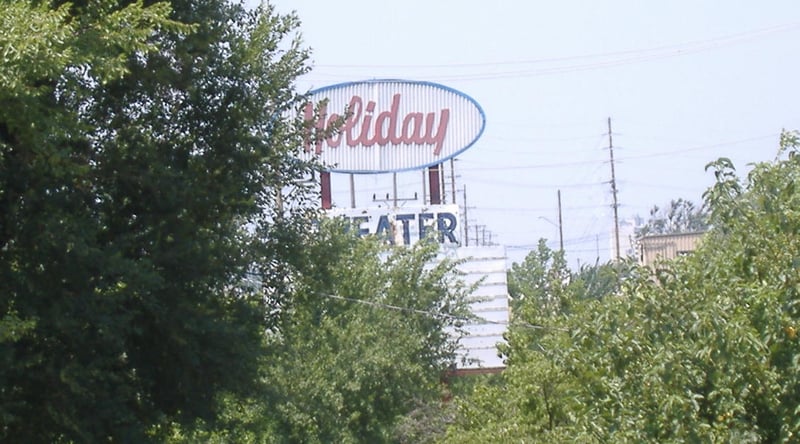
point(621, 158)
point(613, 59)
point(518, 184)
point(664, 50)
point(436, 314)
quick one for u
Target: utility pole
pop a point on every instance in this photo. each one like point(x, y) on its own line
point(453, 179)
point(352, 191)
point(614, 190)
point(442, 180)
point(394, 190)
point(466, 223)
point(424, 189)
point(480, 235)
point(560, 225)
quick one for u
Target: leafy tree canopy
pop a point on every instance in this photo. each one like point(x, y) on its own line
point(682, 216)
point(703, 350)
point(362, 345)
point(142, 174)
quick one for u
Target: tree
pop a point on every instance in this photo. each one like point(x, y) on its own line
point(539, 280)
point(682, 216)
point(363, 343)
point(705, 349)
point(600, 280)
point(142, 160)
point(534, 395)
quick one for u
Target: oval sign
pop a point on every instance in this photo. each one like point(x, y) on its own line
point(392, 125)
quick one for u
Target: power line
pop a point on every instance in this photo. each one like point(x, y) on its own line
point(700, 147)
point(660, 51)
point(539, 209)
point(435, 314)
point(567, 242)
point(537, 139)
point(613, 59)
point(623, 158)
point(531, 167)
point(518, 184)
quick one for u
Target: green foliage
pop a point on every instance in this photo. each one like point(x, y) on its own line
point(39, 43)
point(349, 363)
point(425, 424)
point(537, 282)
point(363, 343)
point(142, 172)
point(50, 53)
point(600, 280)
point(703, 350)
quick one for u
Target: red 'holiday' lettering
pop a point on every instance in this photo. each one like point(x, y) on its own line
point(363, 128)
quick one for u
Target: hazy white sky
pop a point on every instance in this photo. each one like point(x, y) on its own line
point(684, 83)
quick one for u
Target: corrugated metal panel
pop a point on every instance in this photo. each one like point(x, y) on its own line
point(667, 246)
point(479, 342)
point(489, 279)
point(490, 305)
point(410, 114)
point(495, 313)
point(496, 303)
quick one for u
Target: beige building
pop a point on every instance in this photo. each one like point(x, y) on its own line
point(666, 246)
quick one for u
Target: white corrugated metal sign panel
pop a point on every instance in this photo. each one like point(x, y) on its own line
point(393, 125)
point(489, 304)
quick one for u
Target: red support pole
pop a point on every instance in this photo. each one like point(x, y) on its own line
point(325, 182)
point(434, 179)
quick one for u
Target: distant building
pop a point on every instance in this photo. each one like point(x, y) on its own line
point(627, 238)
point(655, 247)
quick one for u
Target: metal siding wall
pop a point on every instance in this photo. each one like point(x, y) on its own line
point(667, 247)
point(489, 302)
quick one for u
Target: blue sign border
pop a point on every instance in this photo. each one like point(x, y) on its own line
point(411, 82)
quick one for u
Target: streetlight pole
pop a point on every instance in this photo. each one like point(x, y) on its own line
point(560, 224)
